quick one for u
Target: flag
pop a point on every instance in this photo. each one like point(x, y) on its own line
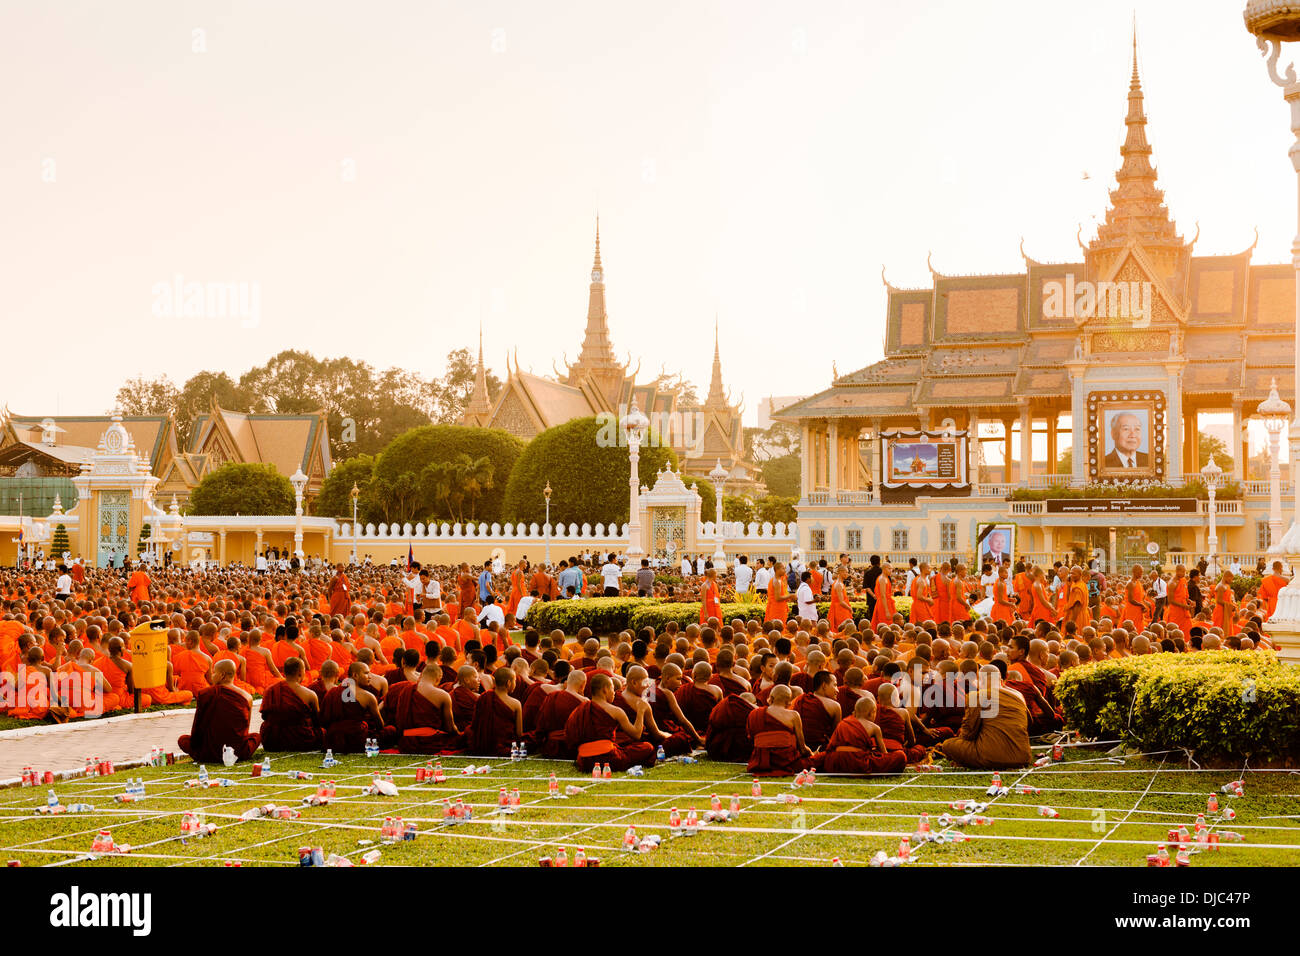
point(410, 556)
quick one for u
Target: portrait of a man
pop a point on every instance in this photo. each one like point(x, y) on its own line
point(1127, 439)
point(998, 546)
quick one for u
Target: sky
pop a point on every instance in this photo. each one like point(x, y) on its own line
point(379, 178)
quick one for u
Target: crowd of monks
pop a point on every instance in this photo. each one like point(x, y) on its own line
point(343, 657)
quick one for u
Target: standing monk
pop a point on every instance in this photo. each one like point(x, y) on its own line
point(841, 611)
point(339, 592)
point(1179, 603)
point(922, 596)
point(1225, 605)
point(1043, 609)
point(778, 596)
point(1004, 608)
point(1270, 587)
point(942, 595)
point(710, 599)
point(516, 588)
point(138, 584)
point(220, 720)
point(1076, 600)
point(1136, 607)
point(884, 589)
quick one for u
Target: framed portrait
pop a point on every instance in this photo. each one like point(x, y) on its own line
point(1126, 436)
point(920, 459)
point(996, 544)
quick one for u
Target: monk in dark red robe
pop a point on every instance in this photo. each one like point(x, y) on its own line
point(819, 711)
point(423, 717)
point(221, 720)
point(895, 724)
point(682, 737)
point(553, 715)
point(340, 593)
point(591, 729)
point(537, 695)
point(698, 697)
point(777, 735)
point(858, 746)
point(728, 734)
point(724, 679)
point(464, 696)
point(350, 713)
point(498, 718)
point(290, 713)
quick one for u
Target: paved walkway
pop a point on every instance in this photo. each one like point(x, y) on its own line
point(64, 748)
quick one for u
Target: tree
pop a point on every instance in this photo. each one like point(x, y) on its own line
point(196, 398)
point(587, 472)
point(775, 508)
point(147, 396)
point(335, 498)
point(1064, 462)
point(708, 502)
point(1207, 445)
point(59, 543)
point(776, 441)
point(243, 489)
point(453, 391)
point(405, 488)
point(782, 475)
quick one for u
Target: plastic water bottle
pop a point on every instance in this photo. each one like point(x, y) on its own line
point(554, 787)
point(52, 801)
point(1162, 854)
point(1212, 804)
point(755, 788)
point(561, 858)
point(674, 822)
point(607, 774)
point(905, 849)
point(659, 754)
point(580, 857)
point(735, 805)
point(514, 751)
point(523, 750)
point(203, 775)
point(629, 838)
point(266, 765)
point(595, 771)
point(924, 825)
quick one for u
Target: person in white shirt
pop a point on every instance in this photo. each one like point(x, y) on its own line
point(433, 593)
point(416, 587)
point(805, 598)
point(611, 573)
point(261, 563)
point(491, 612)
point(744, 575)
point(987, 580)
point(686, 566)
point(761, 578)
point(521, 610)
point(63, 587)
point(699, 565)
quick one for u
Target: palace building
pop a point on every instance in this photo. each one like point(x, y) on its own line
point(1087, 377)
point(599, 384)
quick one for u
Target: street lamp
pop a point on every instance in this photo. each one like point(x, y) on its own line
point(719, 478)
point(356, 493)
point(299, 482)
point(546, 493)
point(1213, 475)
point(635, 425)
point(1276, 413)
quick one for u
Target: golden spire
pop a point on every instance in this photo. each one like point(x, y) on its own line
point(717, 394)
point(479, 410)
point(597, 350)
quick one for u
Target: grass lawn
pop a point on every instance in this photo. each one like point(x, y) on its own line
point(1110, 814)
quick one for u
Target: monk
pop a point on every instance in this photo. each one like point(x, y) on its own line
point(554, 715)
point(710, 598)
point(858, 746)
point(121, 681)
point(724, 679)
point(1270, 588)
point(498, 718)
point(668, 715)
point(728, 734)
point(959, 590)
point(464, 695)
point(516, 588)
point(592, 726)
point(778, 595)
point(423, 717)
point(339, 592)
point(819, 710)
point(220, 720)
point(841, 610)
point(1076, 600)
point(922, 595)
point(994, 732)
point(883, 613)
point(231, 653)
point(1004, 607)
point(193, 668)
point(896, 725)
point(290, 713)
point(698, 698)
point(1043, 607)
point(1178, 602)
point(1225, 606)
point(1136, 606)
point(942, 595)
point(777, 735)
point(350, 712)
point(138, 585)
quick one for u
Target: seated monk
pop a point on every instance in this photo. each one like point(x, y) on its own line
point(554, 713)
point(117, 671)
point(192, 667)
point(464, 696)
point(1034, 684)
point(423, 717)
point(81, 686)
point(540, 690)
point(858, 747)
point(724, 678)
point(698, 698)
point(290, 713)
point(408, 668)
point(498, 718)
point(221, 720)
point(819, 710)
point(231, 653)
point(728, 735)
point(777, 734)
point(896, 725)
point(350, 712)
point(259, 668)
point(668, 715)
point(592, 726)
point(995, 736)
point(631, 700)
point(326, 681)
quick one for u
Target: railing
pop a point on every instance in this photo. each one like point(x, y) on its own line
point(1029, 507)
point(842, 497)
point(1263, 489)
point(1247, 560)
point(1220, 507)
point(985, 490)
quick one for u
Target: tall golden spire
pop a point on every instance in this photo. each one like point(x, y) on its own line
point(597, 350)
point(1137, 209)
point(479, 410)
point(717, 395)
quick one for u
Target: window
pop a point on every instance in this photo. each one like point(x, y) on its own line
point(817, 540)
point(1263, 539)
point(947, 536)
point(853, 540)
point(900, 541)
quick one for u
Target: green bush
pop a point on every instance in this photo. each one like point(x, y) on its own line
point(1223, 705)
point(688, 612)
point(1229, 491)
point(243, 488)
point(1243, 584)
point(587, 470)
point(60, 542)
point(408, 472)
point(602, 615)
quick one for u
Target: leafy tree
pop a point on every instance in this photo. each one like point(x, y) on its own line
point(144, 396)
point(589, 475)
point(196, 398)
point(782, 475)
point(405, 487)
point(776, 441)
point(243, 489)
point(59, 543)
point(708, 502)
point(1065, 462)
point(335, 498)
point(453, 391)
point(775, 508)
point(737, 508)
point(1207, 445)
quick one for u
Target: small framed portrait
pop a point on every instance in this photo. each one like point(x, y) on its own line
point(997, 544)
point(1126, 436)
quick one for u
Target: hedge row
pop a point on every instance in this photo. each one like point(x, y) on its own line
point(602, 615)
point(1223, 705)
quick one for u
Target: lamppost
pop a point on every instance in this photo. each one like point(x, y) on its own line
point(1212, 474)
point(1276, 414)
point(546, 493)
point(356, 493)
point(719, 478)
point(635, 425)
point(299, 482)
point(1274, 22)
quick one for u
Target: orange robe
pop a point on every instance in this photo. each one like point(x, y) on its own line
point(1179, 617)
point(116, 678)
point(139, 585)
point(516, 591)
point(942, 599)
point(1000, 611)
point(1268, 590)
point(710, 606)
point(922, 601)
point(191, 670)
point(1135, 608)
point(1077, 609)
point(958, 602)
point(778, 600)
point(1042, 610)
point(229, 655)
point(1024, 589)
point(884, 610)
point(840, 610)
point(1225, 609)
point(259, 675)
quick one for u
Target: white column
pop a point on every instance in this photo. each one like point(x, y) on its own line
point(1026, 445)
point(833, 450)
point(1174, 417)
point(1235, 447)
point(807, 460)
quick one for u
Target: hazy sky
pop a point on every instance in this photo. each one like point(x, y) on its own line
point(389, 173)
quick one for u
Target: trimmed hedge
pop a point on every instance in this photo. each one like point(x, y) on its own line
point(603, 615)
point(658, 615)
point(1222, 705)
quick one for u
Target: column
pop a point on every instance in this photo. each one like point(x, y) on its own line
point(833, 456)
point(1026, 444)
point(1007, 423)
point(805, 453)
point(976, 452)
point(1174, 420)
point(221, 551)
point(1191, 443)
point(1053, 423)
point(1078, 423)
point(258, 546)
point(878, 457)
point(1235, 446)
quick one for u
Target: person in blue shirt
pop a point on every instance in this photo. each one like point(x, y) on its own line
point(485, 582)
point(570, 577)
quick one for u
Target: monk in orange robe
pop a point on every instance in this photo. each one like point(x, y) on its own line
point(423, 718)
point(467, 627)
point(290, 713)
point(883, 612)
point(777, 735)
point(1270, 587)
point(858, 746)
point(138, 585)
point(221, 720)
point(819, 710)
point(1004, 607)
point(841, 610)
point(778, 595)
point(1023, 585)
point(191, 666)
point(922, 594)
point(516, 588)
point(1178, 604)
point(553, 716)
point(591, 727)
point(1076, 601)
point(959, 596)
point(1225, 606)
point(231, 653)
point(1136, 606)
point(710, 600)
point(942, 596)
point(117, 672)
point(259, 668)
point(340, 593)
point(1043, 609)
